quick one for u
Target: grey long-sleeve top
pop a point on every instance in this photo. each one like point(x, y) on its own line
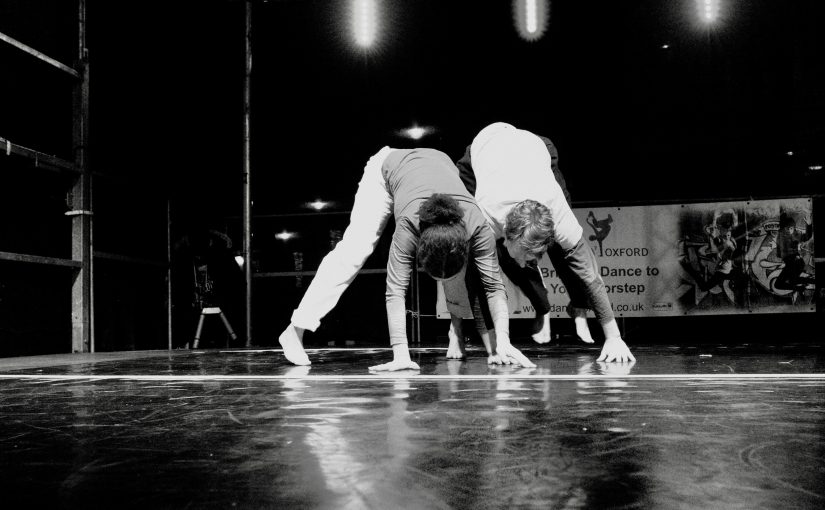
point(412, 176)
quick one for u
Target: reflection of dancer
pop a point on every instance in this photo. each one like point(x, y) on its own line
point(601, 229)
point(435, 220)
point(787, 248)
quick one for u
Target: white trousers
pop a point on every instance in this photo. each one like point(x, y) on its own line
point(370, 213)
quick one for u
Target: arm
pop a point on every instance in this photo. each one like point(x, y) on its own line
point(399, 267)
point(809, 229)
point(483, 251)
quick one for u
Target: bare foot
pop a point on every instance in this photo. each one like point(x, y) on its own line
point(542, 336)
point(456, 348)
point(582, 329)
point(395, 365)
point(291, 341)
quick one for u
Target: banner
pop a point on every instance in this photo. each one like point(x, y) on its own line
point(689, 259)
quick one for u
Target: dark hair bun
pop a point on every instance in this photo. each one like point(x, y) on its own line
point(440, 209)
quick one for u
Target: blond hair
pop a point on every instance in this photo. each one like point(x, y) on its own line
point(530, 226)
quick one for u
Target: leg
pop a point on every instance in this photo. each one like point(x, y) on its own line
point(582, 263)
point(370, 212)
point(456, 335)
point(789, 277)
point(481, 315)
point(466, 173)
point(697, 277)
point(578, 306)
point(587, 287)
point(529, 281)
point(455, 295)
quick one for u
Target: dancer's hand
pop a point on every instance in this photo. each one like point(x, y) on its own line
point(510, 354)
point(615, 350)
point(494, 359)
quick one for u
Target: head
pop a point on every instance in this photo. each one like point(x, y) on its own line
point(787, 224)
point(529, 232)
point(442, 248)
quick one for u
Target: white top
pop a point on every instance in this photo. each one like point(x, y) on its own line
point(512, 165)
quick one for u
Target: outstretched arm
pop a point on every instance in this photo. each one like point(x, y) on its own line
point(399, 267)
point(484, 253)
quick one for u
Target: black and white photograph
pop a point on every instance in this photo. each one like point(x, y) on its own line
point(412, 254)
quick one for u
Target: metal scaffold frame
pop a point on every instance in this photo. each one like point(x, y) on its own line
point(79, 196)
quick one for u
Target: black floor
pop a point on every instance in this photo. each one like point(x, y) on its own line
point(683, 427)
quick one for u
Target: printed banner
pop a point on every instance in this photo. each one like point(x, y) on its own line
point(690, 259)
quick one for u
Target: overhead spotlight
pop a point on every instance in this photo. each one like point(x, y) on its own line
point(416, 132)
point(530, 17)
point(284, 236)
point(815, 168)
point(318, 204)
point(365, 22)
point(789, 153)
point(239, 260)
point(665, 46)
point(708, 10)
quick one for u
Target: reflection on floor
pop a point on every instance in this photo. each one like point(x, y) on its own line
point(683, 427)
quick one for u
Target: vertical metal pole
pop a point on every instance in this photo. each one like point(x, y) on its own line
point(169, 273)
point(82, 338)
point(247, 190)
point(415, 304)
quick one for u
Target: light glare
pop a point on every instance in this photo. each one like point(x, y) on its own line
point(532, 23)
point(318, 204)
point(364, 22)
point(530, 18)
point(284, 236)
point(709, 10)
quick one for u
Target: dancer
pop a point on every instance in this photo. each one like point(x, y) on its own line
point(436, 218)
point(793, 276)
point(510, 173)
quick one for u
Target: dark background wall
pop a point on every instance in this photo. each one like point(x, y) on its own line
point(645, 103)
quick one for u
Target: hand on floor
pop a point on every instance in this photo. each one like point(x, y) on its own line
point(494, 359)
point(510, 354)
point(615, 350)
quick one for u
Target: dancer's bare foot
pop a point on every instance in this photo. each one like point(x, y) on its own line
point(400, 361)
point(542, 336)
point(292, 342)
point(456, 348)
point(582, 329)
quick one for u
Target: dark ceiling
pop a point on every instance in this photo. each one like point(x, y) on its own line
point(643, 100)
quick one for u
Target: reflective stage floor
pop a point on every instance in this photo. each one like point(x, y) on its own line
point(683, 427)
